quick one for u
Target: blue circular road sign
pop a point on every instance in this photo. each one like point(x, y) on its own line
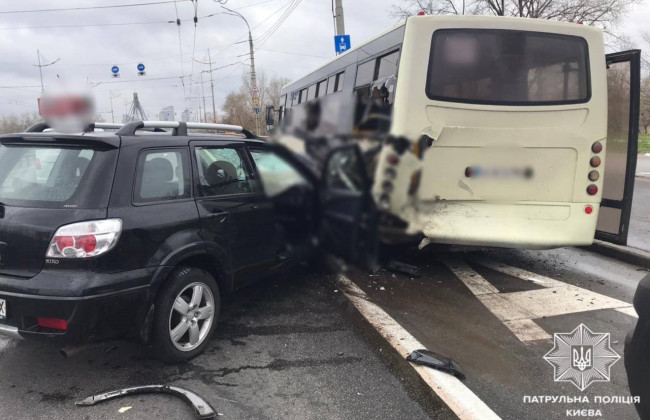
point(115, 69)
point(140, 67)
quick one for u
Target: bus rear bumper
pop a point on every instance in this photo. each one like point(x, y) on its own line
point(520, 225)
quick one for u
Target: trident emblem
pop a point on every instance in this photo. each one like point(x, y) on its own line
point(581, 357)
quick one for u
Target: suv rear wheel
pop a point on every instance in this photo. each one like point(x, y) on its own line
point(187, 309)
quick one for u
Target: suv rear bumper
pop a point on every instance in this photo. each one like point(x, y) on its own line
point(88, 318)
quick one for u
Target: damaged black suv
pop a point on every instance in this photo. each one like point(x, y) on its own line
point(140, 232)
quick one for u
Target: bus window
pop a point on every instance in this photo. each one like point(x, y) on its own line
point(497, 66)
point(331, 84)
point(321, 88)
point(339, 81)
point(303, 96)
point(283, 101)
point(388, 65)
point(311, 92)
point(365, 73)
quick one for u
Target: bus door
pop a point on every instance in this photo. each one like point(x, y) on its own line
point(623, 89)
point(348, 229)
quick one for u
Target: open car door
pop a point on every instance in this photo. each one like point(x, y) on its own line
point(348, 228)
point(623, 90)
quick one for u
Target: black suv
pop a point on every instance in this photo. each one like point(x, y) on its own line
point(141, 231)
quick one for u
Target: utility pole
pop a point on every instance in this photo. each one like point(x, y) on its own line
point(338, 17)
point(110, 95)
point(40, 67)
point(205, 113)
point(210, 63)
point(214, 109)
point(254, 89)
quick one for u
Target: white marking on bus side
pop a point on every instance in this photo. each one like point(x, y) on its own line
point(518, 309)
point(460, 399)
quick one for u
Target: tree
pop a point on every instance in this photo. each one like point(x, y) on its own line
point(602, 13)
point(238, 106)
point(15, 123)
point(644, 112)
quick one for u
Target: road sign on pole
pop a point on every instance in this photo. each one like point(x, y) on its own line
point(141, 71)
point(342, 43)
point(116, 71)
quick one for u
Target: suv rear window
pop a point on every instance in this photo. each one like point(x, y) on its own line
point(49, 176)
point(506, 67)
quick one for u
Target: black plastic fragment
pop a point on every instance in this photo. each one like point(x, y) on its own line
point(201, 407)
point(435, 361)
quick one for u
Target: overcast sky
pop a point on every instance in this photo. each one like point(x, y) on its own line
point(302, 42)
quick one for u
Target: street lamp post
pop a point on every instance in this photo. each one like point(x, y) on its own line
point(255, 90)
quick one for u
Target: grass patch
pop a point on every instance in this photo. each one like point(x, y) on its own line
point(644, 143)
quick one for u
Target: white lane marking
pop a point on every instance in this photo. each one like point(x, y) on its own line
point(474, 281)
point(628, 311)
point(518, 309)
point(527, 330)
point(564, 298)
point(518, 272)
point(460, 399)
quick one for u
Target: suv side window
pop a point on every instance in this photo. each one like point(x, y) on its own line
point(277, 174)
point(344, 171)
point(163, 174)
point(223, 171)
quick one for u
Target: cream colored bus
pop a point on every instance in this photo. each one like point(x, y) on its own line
point(486, 131)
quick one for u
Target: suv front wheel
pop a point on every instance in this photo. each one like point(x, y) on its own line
point(187, 309)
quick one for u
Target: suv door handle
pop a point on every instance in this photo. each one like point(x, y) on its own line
point(219, 214)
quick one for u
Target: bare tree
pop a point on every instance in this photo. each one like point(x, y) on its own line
point(603, 13)
point(14, 123)
point(238, 107)
point(274, 90)
point(644, 112)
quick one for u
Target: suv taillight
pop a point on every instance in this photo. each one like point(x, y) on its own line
point(85, 239)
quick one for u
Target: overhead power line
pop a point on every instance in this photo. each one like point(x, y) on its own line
point(266, 35)
point(67, 9)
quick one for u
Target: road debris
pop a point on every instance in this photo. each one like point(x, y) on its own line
point(403, 268)
point(435, 361)
point(201, 407)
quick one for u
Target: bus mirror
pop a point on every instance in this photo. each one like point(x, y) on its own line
point(270, 117)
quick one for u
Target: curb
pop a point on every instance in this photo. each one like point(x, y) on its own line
point(624, 253)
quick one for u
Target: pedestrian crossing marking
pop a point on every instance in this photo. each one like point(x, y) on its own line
point(517, 310)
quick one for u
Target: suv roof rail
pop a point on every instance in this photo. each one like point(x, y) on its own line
point(40, 127)
point(180, 127)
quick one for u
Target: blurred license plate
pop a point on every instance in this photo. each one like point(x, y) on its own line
point(3, 309)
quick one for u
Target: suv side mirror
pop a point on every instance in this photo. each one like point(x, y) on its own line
point(270, 117)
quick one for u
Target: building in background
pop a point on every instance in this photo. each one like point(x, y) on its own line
point(186, 115)
point(167, 114)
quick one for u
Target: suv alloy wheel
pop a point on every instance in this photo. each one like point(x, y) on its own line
point(186, 314)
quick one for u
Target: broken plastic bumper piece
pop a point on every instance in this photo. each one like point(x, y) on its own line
point(201, 407)
point(435, 361)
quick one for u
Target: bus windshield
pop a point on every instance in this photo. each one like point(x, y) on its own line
point(507, 67)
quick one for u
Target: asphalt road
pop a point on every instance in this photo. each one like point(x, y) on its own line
point(287, 348)
point(562, 289)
